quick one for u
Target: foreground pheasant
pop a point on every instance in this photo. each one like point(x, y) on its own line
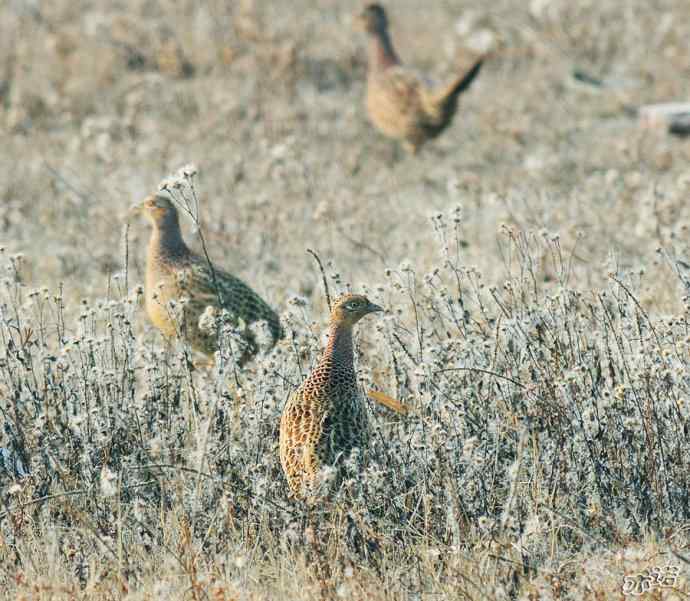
point(400, 103)
point(325, 418)
point(182, 288)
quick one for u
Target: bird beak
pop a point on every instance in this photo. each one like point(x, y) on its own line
point(135, 210)
point(374, 308)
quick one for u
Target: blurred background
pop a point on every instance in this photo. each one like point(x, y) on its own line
point(100, 101)
point(547, 444)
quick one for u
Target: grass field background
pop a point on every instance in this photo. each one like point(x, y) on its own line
point(533, 260)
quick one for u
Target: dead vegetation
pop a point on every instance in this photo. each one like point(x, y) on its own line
point(534, 260)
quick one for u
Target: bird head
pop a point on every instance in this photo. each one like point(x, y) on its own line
point(157, 208)
point(373, 18)
point(350, 308)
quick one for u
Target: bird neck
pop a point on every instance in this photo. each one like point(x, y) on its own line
point(381, 52)
point(166, 239)
point(338, 353)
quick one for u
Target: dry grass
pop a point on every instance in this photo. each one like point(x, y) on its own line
point(539, 333)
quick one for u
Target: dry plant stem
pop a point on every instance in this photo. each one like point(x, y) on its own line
point(323, 277)
point(83, 196)
point(485, 371)
point(125, 263)
point(554, 464)
point(191, 207)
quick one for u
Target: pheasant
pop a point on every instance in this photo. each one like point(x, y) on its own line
point(325, 418)
point(183, 288)
point(401, 103)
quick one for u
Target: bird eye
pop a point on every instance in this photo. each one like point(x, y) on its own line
point(353, 305)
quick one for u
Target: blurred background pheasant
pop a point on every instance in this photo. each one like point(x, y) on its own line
point(326, 417)
point(185, 293)
point(400, 102)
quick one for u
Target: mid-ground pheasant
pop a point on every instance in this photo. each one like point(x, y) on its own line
point(401, 103)
point(325, 418)
point(182, 288)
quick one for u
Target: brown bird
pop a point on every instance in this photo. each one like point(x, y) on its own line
point(326, 418)
point(184, 293)
point(401, 103)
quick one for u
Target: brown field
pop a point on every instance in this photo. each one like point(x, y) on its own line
point(534, 262)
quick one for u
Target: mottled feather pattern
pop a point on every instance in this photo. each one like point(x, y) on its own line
point(218, 287)
point(325, 419)
point(401, 103)
point(394, 103)
point(181, 287)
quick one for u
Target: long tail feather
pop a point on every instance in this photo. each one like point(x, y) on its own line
point(386, 401)
point(463, 82)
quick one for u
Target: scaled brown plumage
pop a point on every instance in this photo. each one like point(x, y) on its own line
point(325, 418)
point(182, 287)
point(400, 103)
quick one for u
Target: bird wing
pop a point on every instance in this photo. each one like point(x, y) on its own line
point(301, 429)
point(194, 282)
point(218, 288)
point(397, 91)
